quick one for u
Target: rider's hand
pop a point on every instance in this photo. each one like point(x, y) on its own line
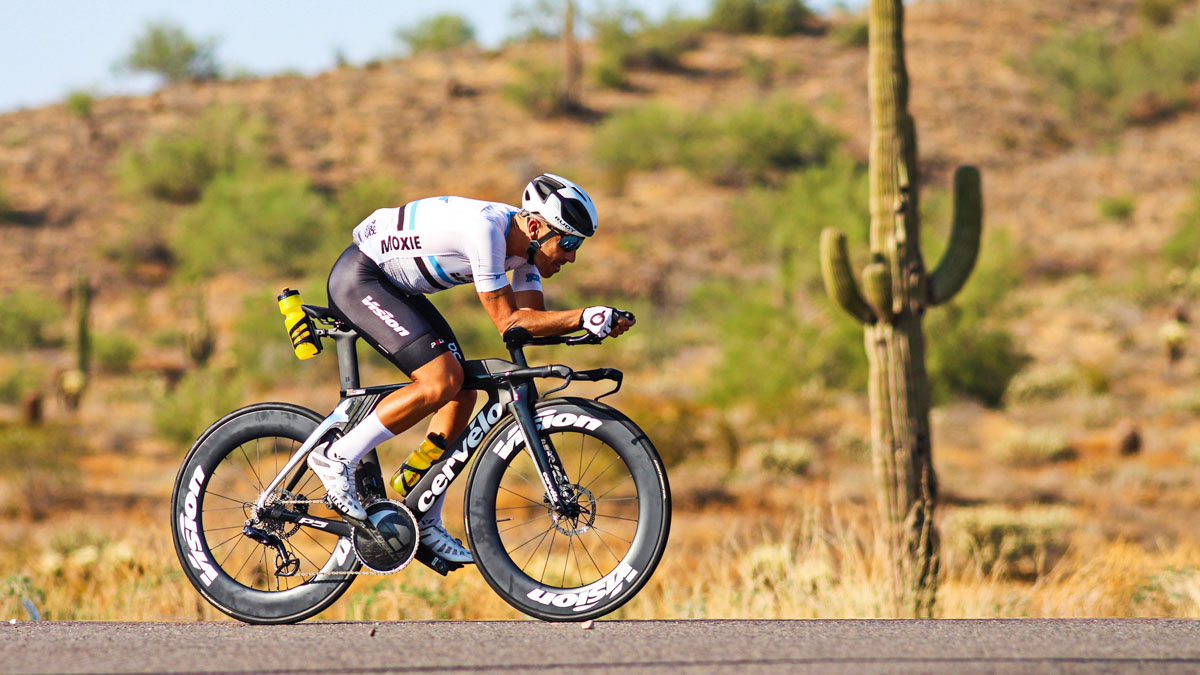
point(607, 321)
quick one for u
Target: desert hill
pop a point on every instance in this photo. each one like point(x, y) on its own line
point(1086, 213)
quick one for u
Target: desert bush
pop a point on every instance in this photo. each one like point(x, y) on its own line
point(176, 166)
point(781, 224)
point(538, 88)
point(350, 206)
point(770, 17)
point(1035, 447)
point(1109, 82)
point(37, 471)
point(1119, 208)
point(771, 359)
point(1192, 452)
point(1182, 248)
point(80, 104)
point(30, 319)
point(437, 34)
point(1043, 384)
point(970, 352)
point(755, 142)
point(114, 352)
point(20, 379)
point(164, 49)
point(626, 39)
point(199, 399)
point(788, 456)
point(852, 32)
point(263, 221)
point(1007, 542)
point(1158, 12)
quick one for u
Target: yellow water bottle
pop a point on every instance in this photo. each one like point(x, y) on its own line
point(299, 327)
point(418, 463)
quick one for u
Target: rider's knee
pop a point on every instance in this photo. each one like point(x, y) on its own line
point(443, 386)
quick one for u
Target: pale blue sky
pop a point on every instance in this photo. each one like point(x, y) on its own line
point(49, 48)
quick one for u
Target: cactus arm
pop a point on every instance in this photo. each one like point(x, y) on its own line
point(839, 282)
point(877, 287)
point(963, 249)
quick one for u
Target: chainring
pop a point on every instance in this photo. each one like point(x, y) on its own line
point(391, 542)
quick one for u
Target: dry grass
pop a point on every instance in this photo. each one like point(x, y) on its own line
point(811, 563)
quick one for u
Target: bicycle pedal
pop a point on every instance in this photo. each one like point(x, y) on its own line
point(435, 562)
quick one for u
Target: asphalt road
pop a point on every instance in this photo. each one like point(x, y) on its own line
point(985, 646)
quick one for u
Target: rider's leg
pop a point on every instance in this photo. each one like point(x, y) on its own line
point(435, 384)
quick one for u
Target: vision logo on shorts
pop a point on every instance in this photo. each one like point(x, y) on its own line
point(385, 316)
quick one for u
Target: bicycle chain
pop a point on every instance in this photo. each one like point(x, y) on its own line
point(363, 572)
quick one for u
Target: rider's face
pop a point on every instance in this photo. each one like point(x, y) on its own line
point(551, 257)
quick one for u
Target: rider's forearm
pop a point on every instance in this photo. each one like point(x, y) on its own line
point(543, 323)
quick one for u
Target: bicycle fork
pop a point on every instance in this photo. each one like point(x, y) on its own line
point(559, 491)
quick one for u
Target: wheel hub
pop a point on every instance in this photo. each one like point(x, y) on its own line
point(579, 515)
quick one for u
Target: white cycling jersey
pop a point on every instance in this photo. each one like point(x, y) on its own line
point(432, 244)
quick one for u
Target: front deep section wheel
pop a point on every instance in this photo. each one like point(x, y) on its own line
point(590, 557)
point(258, 568)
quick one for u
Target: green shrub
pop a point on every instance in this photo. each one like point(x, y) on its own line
point(350, 206)
point(1036, 447)
point(1043, 384)
point(144, 239)
point(80, 104)
point(30, 319)
point(769, 357)
point(265, 221)
point(177, 166)
point(1007, 542)
point(793, 456)
point(1183, 247)
point(538, 89)
point(18, 380)
point(114, 352)
point(852, 32)
point(1158, 12)
point(626, 39)
point(754, 142)
point(164, 49)
point(769, 17)
point(791, 217)
point(200, 399)
point(1108, 83)
point(969, 351)
point(39, 462)
point(1119, 208)
point(437, 33)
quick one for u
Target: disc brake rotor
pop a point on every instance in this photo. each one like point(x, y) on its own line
point(581, 522)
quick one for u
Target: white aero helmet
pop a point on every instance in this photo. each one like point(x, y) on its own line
point(566, 206)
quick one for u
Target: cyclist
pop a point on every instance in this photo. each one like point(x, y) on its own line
point(379, 284)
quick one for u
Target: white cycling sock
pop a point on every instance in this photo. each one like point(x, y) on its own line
point(433, 516)
point(360, 440)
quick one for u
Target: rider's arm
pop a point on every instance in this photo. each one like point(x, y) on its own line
point(506, 311)
point(531, 300)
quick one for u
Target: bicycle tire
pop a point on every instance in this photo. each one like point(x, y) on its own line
point(212, 498)
point(615, 543)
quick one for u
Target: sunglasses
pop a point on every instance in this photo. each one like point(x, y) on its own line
point(567, 242)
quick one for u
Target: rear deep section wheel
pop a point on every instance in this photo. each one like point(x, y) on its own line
point(258, 569)
point(589, 558)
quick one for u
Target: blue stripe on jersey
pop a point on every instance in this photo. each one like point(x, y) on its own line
point(438, 268)
point(410, 220)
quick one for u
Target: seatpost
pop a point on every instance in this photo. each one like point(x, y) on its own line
point(347, 358)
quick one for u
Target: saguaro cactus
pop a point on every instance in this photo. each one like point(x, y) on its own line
point(894, 293)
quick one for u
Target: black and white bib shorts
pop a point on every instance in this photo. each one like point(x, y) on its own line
point(406, 328)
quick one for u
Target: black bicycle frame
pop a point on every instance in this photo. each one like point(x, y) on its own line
point(510, 390)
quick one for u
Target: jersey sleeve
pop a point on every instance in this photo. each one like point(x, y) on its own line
point(487, 256)
point(526, 278)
